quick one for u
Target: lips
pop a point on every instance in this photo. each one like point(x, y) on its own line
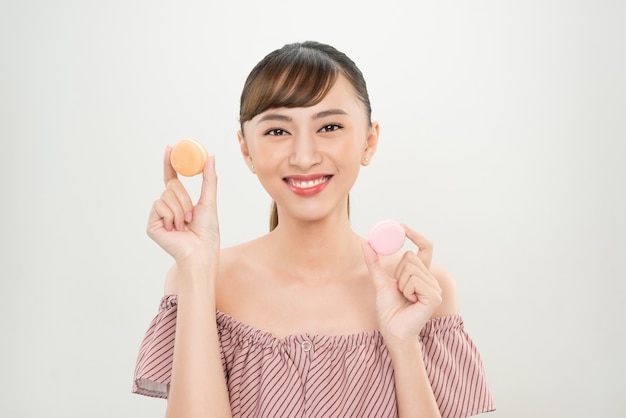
point(307, 185)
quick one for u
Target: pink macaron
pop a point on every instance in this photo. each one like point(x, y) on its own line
point(387, 237)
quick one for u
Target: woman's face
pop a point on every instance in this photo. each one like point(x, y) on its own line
point(308, 158)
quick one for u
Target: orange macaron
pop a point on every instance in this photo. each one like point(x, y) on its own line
point(188, 157)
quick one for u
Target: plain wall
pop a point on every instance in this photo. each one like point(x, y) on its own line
point(502, 139)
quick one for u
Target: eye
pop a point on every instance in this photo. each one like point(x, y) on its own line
point(331, 128)
point(276, 132)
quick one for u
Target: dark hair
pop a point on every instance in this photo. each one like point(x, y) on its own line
point(298, 75)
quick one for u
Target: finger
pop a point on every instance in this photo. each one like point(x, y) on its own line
point(208, 191)
point(406, 273)
point(419, 287)
point(410, 261)
point(425, 280)
point(373, 265)
point(168, 171)
point(174, 205)
point(425, 291)
point(409, 288)
point(160, 211)
point(183, 198)
point(411, 266)
point(425, 252)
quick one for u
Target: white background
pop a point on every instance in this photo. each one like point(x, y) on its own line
point(503, 132)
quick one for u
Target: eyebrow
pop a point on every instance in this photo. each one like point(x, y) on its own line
point(284, 118)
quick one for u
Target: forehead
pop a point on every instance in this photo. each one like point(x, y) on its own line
point(341, 95)
point(342, 90)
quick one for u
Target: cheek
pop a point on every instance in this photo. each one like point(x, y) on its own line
point(349, 152)
point(266, 158)
point(269, 161)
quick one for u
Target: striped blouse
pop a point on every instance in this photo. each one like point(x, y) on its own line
point(320, 376)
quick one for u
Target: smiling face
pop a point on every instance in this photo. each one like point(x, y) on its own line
point(308, 158)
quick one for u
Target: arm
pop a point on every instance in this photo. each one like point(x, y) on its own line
point(198, 387)
point(405, 301)
point(414, 394)
point(190, 234)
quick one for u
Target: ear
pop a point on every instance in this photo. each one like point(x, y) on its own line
point(370, 144)
point(245, 151)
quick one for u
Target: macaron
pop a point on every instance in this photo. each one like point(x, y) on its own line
point(387, 237)
point(188, 157)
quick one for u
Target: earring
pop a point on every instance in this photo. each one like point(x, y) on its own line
point(367, 160)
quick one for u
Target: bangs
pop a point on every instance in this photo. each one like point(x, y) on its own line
point(300, 79)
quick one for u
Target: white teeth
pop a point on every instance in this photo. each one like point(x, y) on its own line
point(307, 184)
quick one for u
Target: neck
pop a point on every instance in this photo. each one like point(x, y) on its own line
point(317, 248)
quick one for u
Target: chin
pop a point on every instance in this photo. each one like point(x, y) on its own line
point(317, 213)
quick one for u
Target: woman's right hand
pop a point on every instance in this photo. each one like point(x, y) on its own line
point(180, 228)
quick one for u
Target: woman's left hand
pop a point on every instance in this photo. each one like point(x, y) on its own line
point(406, 301)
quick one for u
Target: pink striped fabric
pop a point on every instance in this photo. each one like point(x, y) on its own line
point(320, 376)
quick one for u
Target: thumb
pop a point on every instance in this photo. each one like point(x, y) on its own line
point(373, 265)
point(205, 211)
point(208, 190)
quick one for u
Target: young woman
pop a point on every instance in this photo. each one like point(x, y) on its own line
point(306, 321)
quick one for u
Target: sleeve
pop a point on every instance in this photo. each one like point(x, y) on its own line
point(455, 368)
point(153, 370)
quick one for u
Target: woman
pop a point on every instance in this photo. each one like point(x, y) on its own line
point(307, 320)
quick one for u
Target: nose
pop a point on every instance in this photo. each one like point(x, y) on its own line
point(304, 153)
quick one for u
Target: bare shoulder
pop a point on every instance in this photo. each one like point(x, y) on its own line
point(450, 294)
point(238, 281)
point(236, 258)
point(229, 258)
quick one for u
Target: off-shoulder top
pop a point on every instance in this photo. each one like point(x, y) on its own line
point(317, 375)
